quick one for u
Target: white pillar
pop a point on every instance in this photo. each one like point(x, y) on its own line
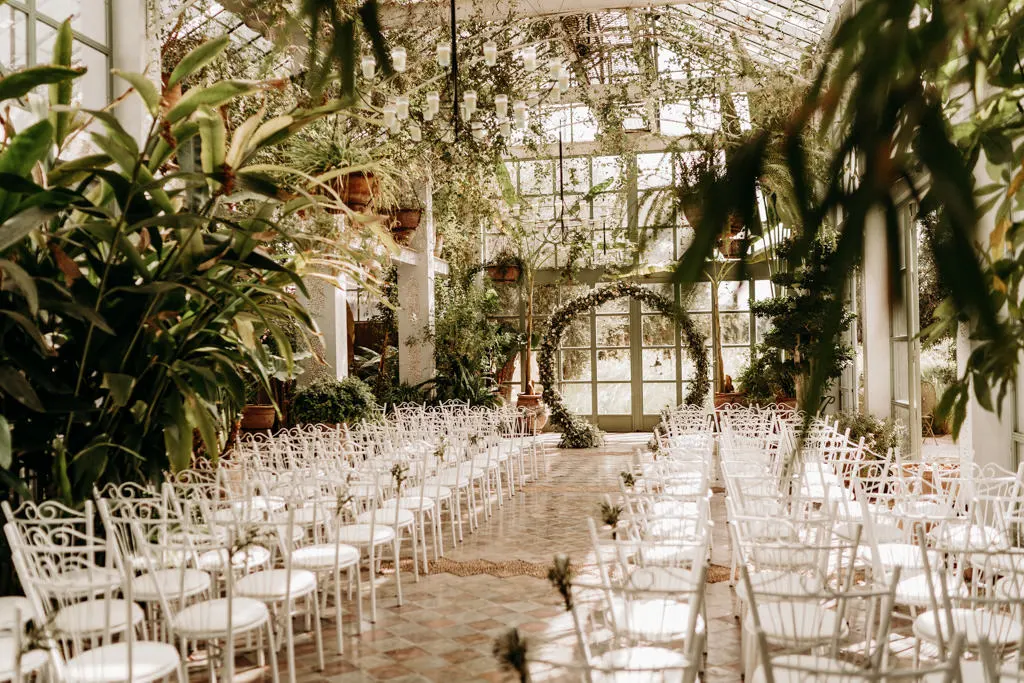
point(416, 298)
point(329, 309)
point(985, 437)
point(875, 318)
point(134, 47)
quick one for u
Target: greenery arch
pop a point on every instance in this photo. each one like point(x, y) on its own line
point(577, 432)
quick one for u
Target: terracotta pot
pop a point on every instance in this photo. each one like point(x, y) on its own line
point(536, 412)
point(722, 399)
point(356, 190)
point(504, 274)
point(409, 218)
point(258, 417)
point(402, 235)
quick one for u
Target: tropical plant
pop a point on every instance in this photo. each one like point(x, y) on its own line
point(764, 380)
point(138, 281)
point(907, 90)
point(332, 401)
point(798, 322)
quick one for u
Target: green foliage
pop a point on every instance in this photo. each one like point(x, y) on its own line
point(469, 347)
point(893, 80)
point(932, 288)
point(879, 435)
point(135, 287)
point(799, 323)
point(765, 380)
point(331, 401)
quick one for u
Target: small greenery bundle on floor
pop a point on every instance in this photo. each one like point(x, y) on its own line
point(333, 401)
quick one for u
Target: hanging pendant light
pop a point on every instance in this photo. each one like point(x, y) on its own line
point(501, 106)
point(390, 115)
point(554, 68)
point(490, 53)
point(478, 130)
point(464, 112)
point(444, 54)
point(563, 80)
point(505, 128)
point(399, 57)
point(415, 132)
point(369, 65)
point(469, 100)
point(519, 113)
point(433, 105)
point(402, 107)
point(530, 58)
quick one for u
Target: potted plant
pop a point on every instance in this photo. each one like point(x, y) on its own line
point(505, 268)
point(334, 402)
point(405, 219)
point(259, 413)
point(344, 169)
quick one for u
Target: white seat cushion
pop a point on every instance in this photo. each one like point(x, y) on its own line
point(414, 503)
point(661, 579)
point(779, 584)
point(31, 661)
point(84, 581)
point(914, 591)
point(91, 617)
point(174, 583)
point(109, 664)
point(654, 619)
point(799, 668)
point(998, 629)
point(249, 558)
point(325, 556)
point(906, 555)
point(639, 665)
point(359, 534)
point(386, 515)
point(209, 619)
point(799, 623)
point(276, 584)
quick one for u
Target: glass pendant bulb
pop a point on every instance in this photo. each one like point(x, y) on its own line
point(530, 58)
point(444, 54)
point(415, 132)
point(505, 128)
point(554, 68)
point(390, 117)
point(501, 106)
point(469, 99)
point(369, 66)
point(478, 130)
point(398, 58)
point(490, 53)
point(402, 107)
point(563, 80)
point(464, 112)
point(433, 105)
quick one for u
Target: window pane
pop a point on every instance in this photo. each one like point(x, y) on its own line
point(734, 296)
point(664, 290)
point(735, 328)
point(659, 364)
point(734, 360)
point(13, 38)
point(613, 330)
point(578, 333)
point(658, 396)
point(658, 247)
point(537, 177)
point(702, 322)
point(579, 398)
point(576, 365)
point(88, 17)
point(614, 399)
point(659, 330)
point(613, 364)
point(700, 297)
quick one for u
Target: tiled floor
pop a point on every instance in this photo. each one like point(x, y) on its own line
point(445, 629)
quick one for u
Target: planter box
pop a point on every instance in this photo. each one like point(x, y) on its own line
point(725, 399)
point(505, 274)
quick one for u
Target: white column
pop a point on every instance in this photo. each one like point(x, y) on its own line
point(985, 436)
point(328, 308)
point(134, 47)
point(875, 319)
point(416, 298)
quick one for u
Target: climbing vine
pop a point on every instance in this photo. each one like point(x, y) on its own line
point(576, 431)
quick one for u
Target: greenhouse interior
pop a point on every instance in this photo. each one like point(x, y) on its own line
point(605, 341)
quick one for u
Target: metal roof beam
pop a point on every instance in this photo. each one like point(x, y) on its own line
point(397, 15)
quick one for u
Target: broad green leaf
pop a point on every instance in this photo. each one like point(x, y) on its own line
point(178, 433)
point(22, 82)
point(14, 229)
point(144, 87)
point(17, 278)
point(213, 134)
point(61, 91)
point(14, 384)
point(30, 328)
point(240, 140)
point(197, 59)
point(6, 453)
point(120, 387)
point(212, 96)
point(199, 416)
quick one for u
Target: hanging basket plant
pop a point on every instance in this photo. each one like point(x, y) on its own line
point(576, 431)
point(506, 268)
point(404, 224)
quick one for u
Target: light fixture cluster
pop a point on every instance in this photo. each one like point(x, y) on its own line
point(396, 111)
